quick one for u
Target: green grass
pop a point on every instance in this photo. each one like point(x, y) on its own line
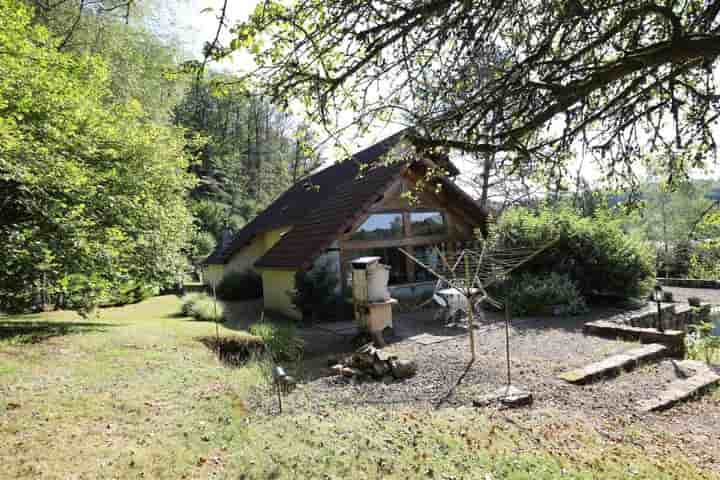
point(137, 396)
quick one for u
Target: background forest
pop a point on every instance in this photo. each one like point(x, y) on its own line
point(118, 170)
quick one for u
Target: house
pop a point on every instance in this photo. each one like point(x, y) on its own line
point(354, 208)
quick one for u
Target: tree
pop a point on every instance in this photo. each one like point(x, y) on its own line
point(251, 154)
point(141, 66)
point(92, 194)
point(533, 78)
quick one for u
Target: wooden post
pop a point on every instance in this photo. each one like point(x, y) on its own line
point(468, 297)
point(507, 340)
point(217, 328)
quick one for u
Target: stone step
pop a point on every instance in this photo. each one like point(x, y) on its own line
point(682, 389)
point(673, 339)
point(615, 364)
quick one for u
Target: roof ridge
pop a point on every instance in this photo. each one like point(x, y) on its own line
point(298, 201)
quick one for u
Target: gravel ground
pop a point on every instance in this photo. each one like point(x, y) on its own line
point(681, 294)
point(540, 349)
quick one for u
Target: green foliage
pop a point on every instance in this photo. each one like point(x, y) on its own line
point(205, 309)
point(314, 293)
point(237, 286)
point(89, 186)
point(203, 244)
point(593, 252)
point(249, 156)
point(705, 261)
point(702, 344)
point(281, 340)
point(188, 300)
point(675, 218)
point(132, 292)
point(83, 293)
point(140, 64)
point(535, 294)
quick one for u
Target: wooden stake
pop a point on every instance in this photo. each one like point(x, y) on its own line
point(217, 328)
point(507, 340)
point(471, 318)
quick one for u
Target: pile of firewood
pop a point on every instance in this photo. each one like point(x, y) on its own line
point(369, 362)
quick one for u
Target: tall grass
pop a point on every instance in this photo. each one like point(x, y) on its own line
point(281, 340)
point(202, 307)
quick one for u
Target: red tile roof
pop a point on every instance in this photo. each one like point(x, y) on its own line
point(322, 206)
point(298, 204)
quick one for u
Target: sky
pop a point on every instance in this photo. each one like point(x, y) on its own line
point(193, 26)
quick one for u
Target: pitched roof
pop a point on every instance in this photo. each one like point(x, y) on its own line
point(299, 203)
point(327, 203)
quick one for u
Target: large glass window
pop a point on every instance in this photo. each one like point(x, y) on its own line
point(428, 255)
point(427, 223)
point(380, 226)
point(389, 256)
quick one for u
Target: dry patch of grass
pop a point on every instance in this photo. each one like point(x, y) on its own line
point(143, 398)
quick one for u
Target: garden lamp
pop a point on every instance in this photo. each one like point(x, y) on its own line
point(282, 381)
point(658, 297)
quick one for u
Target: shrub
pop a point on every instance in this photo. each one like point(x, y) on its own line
point(281, 340)
point(132, 292)
point(593, 252)
point(533, 294)
point(237, 286)
point(705, 261)
point(694, 301)
point(235, 349)
point(676, 261)
point(314, 293)
point(188, 301)
point(702, 344)
point(83, 294)
point(202, 307)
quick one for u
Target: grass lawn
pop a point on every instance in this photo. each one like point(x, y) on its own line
point(135, 395)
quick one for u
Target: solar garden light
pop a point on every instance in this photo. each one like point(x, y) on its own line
point(658, 297)
point(282, 382)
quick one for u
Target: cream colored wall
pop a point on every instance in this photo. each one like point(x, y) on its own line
point(277, 284)
point(212, 274)
point(246, 258)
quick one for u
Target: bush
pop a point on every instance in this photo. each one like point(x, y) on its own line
point(202, 307)
point(280, 340)
point(237, 286)
point(694, 301)
point(131, 292)
point(593, 252)
point(702, 344)
point(83, 294)
point(188, 300)
point(675, 262)
point(235, 349)
point(534, 294)
point(705, 261)
point(314, 293)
